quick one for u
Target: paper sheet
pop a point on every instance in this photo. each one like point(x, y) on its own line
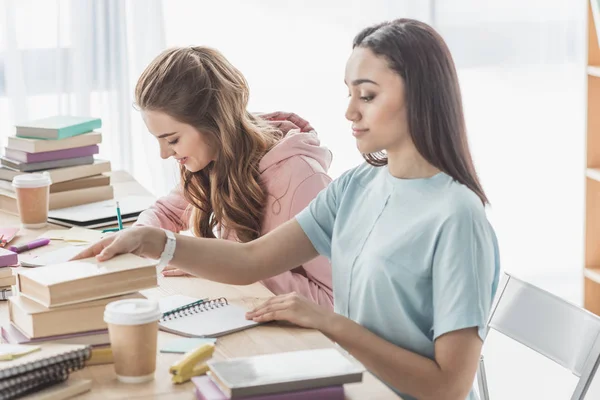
point(75, 235)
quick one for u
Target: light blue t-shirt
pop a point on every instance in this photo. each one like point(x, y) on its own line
point(412, 259)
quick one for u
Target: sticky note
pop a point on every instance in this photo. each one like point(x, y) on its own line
point(183, 345)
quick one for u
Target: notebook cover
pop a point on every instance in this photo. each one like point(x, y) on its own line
point(25, 157)
point(50, 354)
point(51, 364)
point(101, 213)
point(206, 389)
point(284, 372)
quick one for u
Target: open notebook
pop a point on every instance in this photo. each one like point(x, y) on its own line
point(211, 318)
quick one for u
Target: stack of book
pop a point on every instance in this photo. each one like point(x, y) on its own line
point(64, 303)
point(64, 146)
point(297, 375)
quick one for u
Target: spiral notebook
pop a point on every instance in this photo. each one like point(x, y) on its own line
point(211, 318)
point(32, 372)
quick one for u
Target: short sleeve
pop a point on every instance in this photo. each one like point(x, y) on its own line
point(464, 273)
point(318, 219)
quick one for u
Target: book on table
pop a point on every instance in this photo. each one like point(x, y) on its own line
point(46, 165)
point(13, 335)
point(58, 127)
point(284, 372)
point(39, 146)
point(60, 200)
point(74, 184)
point(25, 157)
point(206, 389)
point(88, 279)
point(63, 174)
point(35, 320)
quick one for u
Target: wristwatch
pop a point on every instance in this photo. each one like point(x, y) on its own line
point(168, 252)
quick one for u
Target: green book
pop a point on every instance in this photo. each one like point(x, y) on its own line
point(58, 127)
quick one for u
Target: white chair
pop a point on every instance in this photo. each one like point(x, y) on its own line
point(549, 325)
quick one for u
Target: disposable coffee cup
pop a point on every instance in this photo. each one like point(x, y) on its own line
point(133, 332)
point(33, 199)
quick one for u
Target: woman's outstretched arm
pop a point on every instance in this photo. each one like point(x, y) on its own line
point(223, 261)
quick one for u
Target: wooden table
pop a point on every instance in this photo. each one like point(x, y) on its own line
point(271, 338)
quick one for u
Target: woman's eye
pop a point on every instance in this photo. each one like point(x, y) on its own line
point(173, 142)
point(367, 99)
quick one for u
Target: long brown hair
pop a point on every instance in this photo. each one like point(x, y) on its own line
point(434, 106)
point(198, 86)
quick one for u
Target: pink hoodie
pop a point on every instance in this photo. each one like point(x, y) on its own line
point(294, 171)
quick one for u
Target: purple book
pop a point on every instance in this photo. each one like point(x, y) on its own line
point(75, 152)
point(8, 258)
point(12, 335)
point(206, 389)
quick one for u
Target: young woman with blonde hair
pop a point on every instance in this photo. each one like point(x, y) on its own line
point(241, 175)
point(415, 260)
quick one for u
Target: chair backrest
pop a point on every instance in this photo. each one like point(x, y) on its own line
point(548, 324)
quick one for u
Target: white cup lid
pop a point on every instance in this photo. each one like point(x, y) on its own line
point(132, 312)
point(32, 180)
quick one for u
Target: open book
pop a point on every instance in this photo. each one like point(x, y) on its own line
point(210, 318)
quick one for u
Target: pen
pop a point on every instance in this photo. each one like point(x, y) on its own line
point(29, 246)
point(110, 230)
point(119, 216)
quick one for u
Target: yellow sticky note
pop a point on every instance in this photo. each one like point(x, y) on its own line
point(12, 351)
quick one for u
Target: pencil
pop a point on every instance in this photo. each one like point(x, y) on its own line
point(119, 217)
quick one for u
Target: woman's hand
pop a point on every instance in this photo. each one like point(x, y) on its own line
point(144, 241)
point(285, 121)
point(293, 308)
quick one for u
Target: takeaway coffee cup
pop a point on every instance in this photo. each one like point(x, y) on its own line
point(33, 199)
point(133, 332)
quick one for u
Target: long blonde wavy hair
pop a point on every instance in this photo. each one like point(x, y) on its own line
point(198, 86)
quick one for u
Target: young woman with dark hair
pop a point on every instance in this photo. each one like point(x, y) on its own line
point(415, 260)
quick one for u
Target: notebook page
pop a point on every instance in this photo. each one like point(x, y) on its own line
point(212, 323)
